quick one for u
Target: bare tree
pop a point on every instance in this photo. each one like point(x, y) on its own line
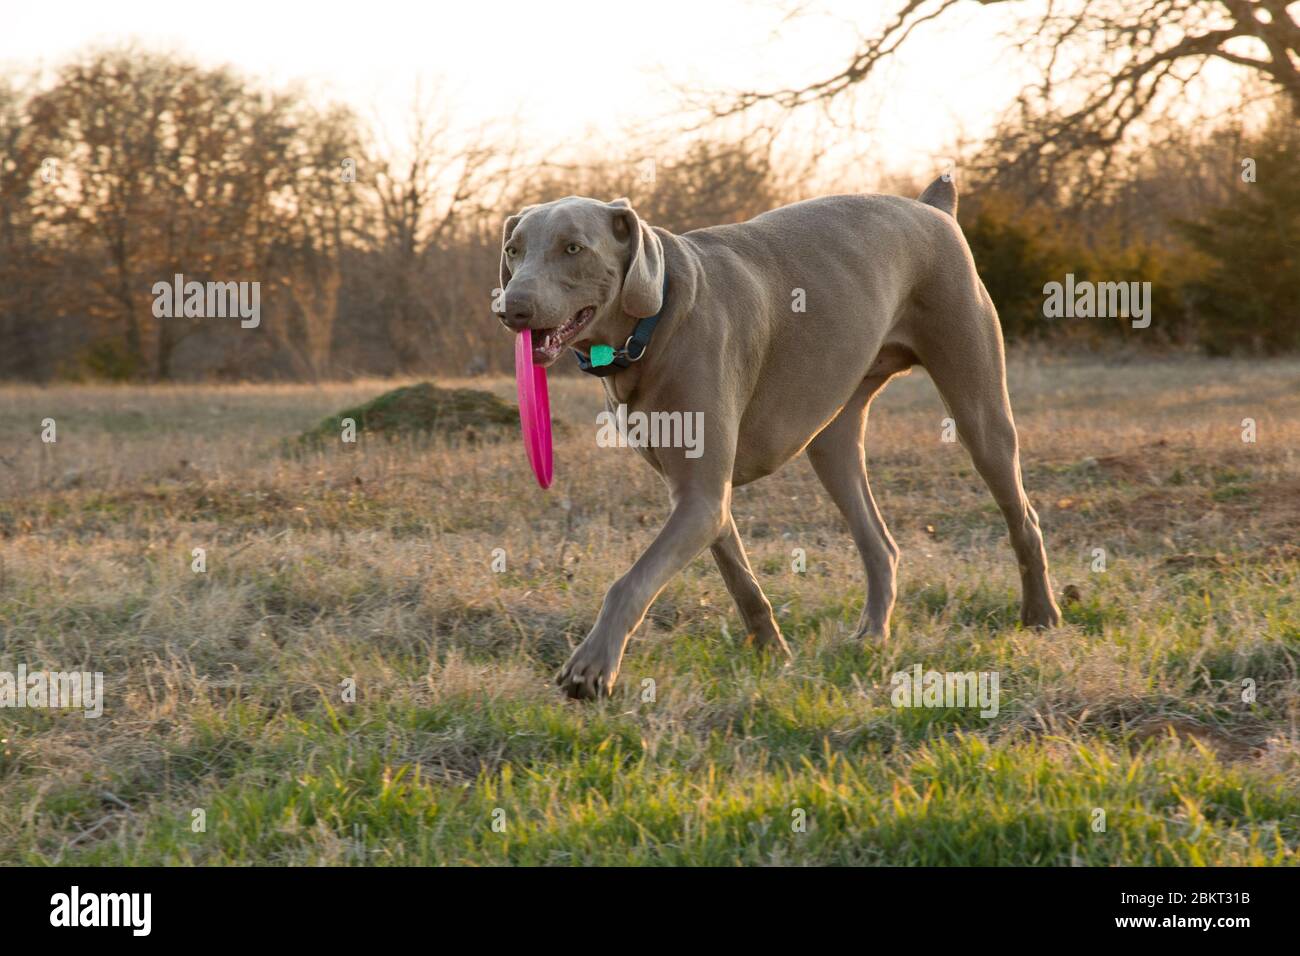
point(1104, 66)
point(23, 266)
point(166, 167)
point(434, 196)
point(327, 215)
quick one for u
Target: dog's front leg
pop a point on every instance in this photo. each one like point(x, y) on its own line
point(699, 516)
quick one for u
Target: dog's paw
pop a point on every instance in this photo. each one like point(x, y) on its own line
point(589, 674)
point(769, 641)
point(1042, 617)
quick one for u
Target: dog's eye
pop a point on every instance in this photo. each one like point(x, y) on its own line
point(511, 251)
point(573, 248)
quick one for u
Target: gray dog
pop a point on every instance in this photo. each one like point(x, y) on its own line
point(780, 331)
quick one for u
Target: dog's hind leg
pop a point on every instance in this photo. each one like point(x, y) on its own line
point(966, 361)
point(755, 609)
point(839, 458)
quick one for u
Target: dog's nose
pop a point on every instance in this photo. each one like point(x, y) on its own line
point(518, 313)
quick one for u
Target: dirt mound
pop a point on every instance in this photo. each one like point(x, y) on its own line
point(422, 410)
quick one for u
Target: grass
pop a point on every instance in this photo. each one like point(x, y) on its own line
point(371, 566)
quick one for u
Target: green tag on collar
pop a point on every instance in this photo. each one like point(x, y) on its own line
point(601, 355)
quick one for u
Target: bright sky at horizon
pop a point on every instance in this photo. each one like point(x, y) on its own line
point(570, 76)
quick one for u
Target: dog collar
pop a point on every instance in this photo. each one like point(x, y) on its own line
point(606, 360)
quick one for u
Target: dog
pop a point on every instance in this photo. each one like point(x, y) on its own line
point(780, 330)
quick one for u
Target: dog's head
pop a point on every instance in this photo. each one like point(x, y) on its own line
point(572, 269)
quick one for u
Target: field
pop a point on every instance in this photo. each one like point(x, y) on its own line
point(1159, 725)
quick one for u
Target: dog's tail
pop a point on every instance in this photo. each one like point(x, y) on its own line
point(942, 195)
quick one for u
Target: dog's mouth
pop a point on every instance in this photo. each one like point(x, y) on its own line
point(549, 343)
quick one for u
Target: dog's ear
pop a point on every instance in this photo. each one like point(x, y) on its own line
point(507, 231)
point(643, 283)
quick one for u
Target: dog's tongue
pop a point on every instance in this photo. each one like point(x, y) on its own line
point(534, 408)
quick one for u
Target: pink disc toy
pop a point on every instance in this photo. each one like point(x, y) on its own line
point(534, 408)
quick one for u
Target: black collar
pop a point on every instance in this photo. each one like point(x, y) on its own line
point(634, 348)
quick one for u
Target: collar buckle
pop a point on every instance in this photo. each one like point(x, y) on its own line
point(627, 349)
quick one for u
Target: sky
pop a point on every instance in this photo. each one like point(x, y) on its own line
point(558, 74)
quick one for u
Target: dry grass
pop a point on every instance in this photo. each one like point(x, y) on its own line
point(373, 562)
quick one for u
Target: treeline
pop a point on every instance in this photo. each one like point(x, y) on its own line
point(1211, 219)
point(130, 168)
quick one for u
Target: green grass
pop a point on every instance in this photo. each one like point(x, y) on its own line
point(225, 691)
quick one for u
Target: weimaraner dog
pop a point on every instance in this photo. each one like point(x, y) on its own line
point(780, 330)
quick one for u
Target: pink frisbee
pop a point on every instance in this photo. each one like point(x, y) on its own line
point(534, 408)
